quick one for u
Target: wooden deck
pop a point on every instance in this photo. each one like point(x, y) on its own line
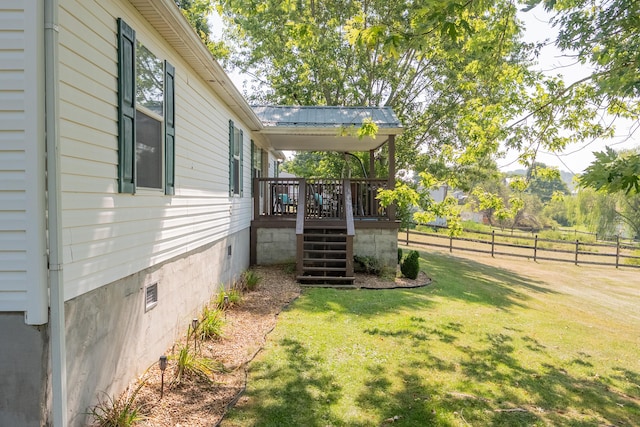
point(326, 215)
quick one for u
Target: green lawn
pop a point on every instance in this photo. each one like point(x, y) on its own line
point(552, 344)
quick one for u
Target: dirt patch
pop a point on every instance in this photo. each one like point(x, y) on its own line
point(197, 402)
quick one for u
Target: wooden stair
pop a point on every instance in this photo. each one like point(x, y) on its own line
point(327, 255)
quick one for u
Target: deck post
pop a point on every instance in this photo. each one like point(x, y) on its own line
point(256, 197)
point(372, 164)
point(391, 210)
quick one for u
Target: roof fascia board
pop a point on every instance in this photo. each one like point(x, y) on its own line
point(178, 28)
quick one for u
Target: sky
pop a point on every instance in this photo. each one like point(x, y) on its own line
point(576, 157)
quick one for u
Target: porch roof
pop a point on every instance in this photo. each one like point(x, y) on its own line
point(319, 128)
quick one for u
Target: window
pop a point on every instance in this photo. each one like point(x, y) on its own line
point(146, 122)
point(149, 117)
point(256, 163)
point(235, 160)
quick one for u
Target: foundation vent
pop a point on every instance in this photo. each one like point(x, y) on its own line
point(151, 296)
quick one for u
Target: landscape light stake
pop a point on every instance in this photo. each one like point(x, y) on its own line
point(163, 366)
point(194, 325)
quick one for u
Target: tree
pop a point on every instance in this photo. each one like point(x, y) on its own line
point(197, 13)
point(597, 211)
point(613, 172)
point(457, 75)
point(604, 34)
point(314, 164)
point(560, 210)
point(545, 182)
point(618, 176)
point(455, 93)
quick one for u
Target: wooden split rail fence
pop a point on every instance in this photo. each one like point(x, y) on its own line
point(577, 252)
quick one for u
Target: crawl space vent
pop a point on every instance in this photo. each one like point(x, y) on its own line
point(151, 296)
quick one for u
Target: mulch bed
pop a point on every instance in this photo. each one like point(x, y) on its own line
point(198, 402)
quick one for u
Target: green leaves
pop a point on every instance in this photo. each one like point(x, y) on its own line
point(613, 172)
point(456, 73)
point(197, 13)
point(368, 128)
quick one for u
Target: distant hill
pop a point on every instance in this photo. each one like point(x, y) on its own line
point(567, 177)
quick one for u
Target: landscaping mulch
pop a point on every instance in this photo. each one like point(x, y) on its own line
point(198, 402)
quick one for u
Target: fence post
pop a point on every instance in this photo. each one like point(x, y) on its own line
point(493, 242)
point(577, 244)
point(617, 250)
point(450, 244)
point(407, 234)
point(535, 248)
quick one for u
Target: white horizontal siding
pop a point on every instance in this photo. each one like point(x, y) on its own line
point(22, 234)
point(106, 235)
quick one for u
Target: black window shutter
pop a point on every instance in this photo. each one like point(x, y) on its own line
point(231, 130)
point(253, 162)
point(169, 129)
point(126, 108)
point(241, 142)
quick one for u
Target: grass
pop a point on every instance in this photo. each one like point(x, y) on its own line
point(481, 346)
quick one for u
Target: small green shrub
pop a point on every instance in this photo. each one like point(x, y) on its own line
point(211, 323)
point(233, 297)
point(399, 255)
point(191, 365)
point(366, 264)
point(411, 265)
point(250, 279)
point(122, 411)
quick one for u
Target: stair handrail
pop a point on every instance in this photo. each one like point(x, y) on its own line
point(300, 216)
point(348, 207)
point(302, 207)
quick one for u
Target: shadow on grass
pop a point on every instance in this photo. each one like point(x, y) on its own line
point(478, 283)
point(561, 398)
point(443, 378)
point(453, 278)
point(296, 392)
point(496, 388)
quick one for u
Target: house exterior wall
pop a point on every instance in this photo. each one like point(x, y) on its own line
point(23, 369)
point(107, 235)
point(22, 225)
point(275, 245)
point(278, 245)
point(107, 348)
point(114, 244)
point(378, 243)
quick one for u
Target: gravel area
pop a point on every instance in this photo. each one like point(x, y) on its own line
point(198, 402)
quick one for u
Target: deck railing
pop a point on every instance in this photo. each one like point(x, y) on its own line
point(324, 198)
